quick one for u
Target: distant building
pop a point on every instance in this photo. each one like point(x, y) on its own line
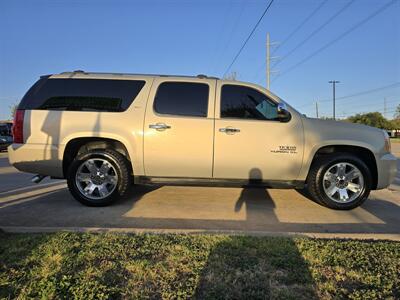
point(394, 133)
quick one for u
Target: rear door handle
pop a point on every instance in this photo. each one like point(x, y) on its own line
point(159, 126)
point(229, 130)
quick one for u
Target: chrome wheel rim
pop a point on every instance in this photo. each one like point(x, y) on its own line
point(96, 178)
point(343, 182)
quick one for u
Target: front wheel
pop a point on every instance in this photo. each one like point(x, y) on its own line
point(339, 181)
point(98, 177)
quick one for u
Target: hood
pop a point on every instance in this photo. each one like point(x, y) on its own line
point(331, 132)
point(343, 125)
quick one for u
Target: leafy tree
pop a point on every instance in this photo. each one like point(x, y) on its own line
point(395, 123)
point(374, 119)
point(397, 114)
point(13, 108)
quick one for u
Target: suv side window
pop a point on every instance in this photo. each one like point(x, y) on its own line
point(242, 102)
point(182, 99)
point(82, 94)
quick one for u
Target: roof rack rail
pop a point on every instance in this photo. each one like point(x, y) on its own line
point(200, 76)
point(205, 76)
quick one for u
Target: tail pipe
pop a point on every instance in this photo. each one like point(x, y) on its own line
point(38, 178)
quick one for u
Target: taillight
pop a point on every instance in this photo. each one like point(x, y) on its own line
point(18, 127)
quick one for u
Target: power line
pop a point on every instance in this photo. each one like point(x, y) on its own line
point(354, 105)
point(355, 26)
point(315, 31)
point(10, 98)
point(301, 25)
point(248, 38)
point(392, 85)
point(219, 36)
point(349, 114)
point(292, 34)
point(229, 40)
point(233, 30)
point(269, 58)
point(356, 108)
point(327, 110)
point(366, 92)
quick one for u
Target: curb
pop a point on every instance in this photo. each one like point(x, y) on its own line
point(356, 236)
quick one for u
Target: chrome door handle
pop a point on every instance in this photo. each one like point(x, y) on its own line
point(229, 130)
point(159, 126)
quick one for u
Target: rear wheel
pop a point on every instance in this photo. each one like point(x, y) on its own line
point(99, 177)
point(339, 181)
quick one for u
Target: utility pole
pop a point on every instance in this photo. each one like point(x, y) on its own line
point(334, 97)
point(269, 59)
point(316, 109)
point(384, 107)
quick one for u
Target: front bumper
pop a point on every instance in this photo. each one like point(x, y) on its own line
point(36, 158)
point(387, 170)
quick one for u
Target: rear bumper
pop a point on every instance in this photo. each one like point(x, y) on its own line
point(387, 170)
point(36, 158)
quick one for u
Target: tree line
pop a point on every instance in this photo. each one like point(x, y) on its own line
point(376, 119)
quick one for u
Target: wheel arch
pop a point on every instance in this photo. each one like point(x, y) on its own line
point(363, 153)
point(78, 145)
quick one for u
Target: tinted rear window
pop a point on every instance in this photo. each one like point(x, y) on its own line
point(182, 99)
point(82, 94)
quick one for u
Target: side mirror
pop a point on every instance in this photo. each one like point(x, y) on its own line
point(283, 113)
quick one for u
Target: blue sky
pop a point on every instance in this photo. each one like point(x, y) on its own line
point(202, 37)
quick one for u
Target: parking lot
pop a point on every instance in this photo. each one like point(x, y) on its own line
point(48, 206)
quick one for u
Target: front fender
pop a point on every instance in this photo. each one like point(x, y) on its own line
point(310, 153)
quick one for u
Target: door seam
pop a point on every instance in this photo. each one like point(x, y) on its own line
point(143, 126)
point(213, 144)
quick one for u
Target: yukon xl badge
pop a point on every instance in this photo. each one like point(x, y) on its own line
point(285, 149)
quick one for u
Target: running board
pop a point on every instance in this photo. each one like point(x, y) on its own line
point(184, 181)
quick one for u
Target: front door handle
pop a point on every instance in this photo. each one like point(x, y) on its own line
point(159, 126)
point(229, 130)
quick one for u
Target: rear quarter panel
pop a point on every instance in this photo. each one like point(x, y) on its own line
point(52, 130)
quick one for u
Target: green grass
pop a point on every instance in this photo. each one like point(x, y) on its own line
point(395, 140)
point(104, 266)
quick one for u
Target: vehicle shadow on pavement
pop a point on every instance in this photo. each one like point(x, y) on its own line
point(159, 208)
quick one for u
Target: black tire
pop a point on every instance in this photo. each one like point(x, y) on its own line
point(121, 167)
point(317, 171)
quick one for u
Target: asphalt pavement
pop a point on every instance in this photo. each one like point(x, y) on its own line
point(48, 206)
